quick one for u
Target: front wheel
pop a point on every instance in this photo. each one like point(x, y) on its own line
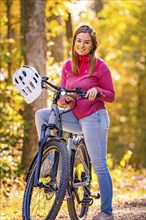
point(44, 202)
point(80, 183)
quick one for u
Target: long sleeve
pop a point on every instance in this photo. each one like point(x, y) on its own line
point(105, 87)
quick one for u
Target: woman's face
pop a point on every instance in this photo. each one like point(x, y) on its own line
point(83, 44)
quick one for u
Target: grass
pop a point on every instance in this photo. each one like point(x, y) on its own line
point(127, 182)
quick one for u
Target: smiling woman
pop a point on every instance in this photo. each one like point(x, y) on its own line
point(90, 117)
point(84, 40)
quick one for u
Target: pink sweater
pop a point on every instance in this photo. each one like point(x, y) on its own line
point(100, 79)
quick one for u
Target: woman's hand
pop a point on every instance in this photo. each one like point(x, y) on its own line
point(91, 94)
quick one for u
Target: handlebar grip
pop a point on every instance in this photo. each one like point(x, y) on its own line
point(84, 94)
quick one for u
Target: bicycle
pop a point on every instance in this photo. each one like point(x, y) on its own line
point(70, 171)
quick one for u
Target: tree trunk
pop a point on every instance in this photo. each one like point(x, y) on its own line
point(9, 33)
point(97, 6)
point(69, 34)
point(34, 48)
point(57, 47)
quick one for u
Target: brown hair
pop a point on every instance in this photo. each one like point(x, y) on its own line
point(92, 59)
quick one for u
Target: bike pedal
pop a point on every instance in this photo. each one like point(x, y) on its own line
point(87, 201)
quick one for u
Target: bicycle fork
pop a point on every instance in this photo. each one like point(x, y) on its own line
point(39, 156)
point(42, 142)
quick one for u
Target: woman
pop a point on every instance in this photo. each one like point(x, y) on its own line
point(90, 117)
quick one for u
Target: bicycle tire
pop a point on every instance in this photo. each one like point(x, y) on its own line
point(48, 202)
point(78, 211)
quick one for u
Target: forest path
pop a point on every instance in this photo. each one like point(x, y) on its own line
point(123, 210)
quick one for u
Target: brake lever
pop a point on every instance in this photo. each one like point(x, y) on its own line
point(81, 93)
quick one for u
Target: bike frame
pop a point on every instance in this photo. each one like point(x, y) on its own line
point(55, 127)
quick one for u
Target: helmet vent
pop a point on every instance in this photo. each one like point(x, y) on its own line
point(20, 77)
point(23, 91)
point(28, 89)
point(32, 85)
point(16, 80)
point(37, 75)
point(24, 73)
point(35, 80)
point(26, 66)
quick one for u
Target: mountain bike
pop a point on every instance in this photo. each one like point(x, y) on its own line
point(61, 168)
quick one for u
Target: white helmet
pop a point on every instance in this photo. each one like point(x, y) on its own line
point(28, 82)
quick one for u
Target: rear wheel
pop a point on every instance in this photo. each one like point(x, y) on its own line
point(80, 182)
point(44, 202)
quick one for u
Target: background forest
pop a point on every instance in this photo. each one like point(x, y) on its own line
point(39, 33)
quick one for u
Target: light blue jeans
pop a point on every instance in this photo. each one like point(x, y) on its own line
point(95, 130)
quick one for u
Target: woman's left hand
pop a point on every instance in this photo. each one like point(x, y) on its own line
point(91, 94)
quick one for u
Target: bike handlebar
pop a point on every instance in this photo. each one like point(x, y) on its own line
point(60, 91)
point(64, 91)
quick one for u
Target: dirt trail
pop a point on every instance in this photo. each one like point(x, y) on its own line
point(129, 210)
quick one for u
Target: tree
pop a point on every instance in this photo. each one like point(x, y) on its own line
point(69, 33)
point(56, 41)
point(34, 49)
point(9, 32)
point(97, 6)
point(56, 14)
